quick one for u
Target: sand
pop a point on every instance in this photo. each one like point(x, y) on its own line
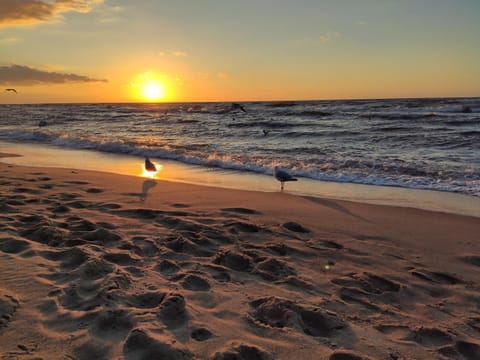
point(104, 266)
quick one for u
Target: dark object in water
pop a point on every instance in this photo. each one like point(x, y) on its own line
point(42, 123)
point(466, 109)
point(236, 106)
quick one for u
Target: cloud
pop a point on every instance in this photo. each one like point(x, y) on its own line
point(110, 14)
point(8, 40)
point(179, 53)
point(24, 75)
point(329, 37)
point(28, 12)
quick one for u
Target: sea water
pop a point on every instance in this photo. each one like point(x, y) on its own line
point(429, 144)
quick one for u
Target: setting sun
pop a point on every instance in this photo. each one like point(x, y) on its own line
point(151, 87)
point(153, 90)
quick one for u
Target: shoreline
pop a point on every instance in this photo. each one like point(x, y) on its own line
point(30, 154)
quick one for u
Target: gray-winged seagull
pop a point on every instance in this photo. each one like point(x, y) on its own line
point(283, 176)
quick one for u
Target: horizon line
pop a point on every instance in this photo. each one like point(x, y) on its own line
point(244, 101)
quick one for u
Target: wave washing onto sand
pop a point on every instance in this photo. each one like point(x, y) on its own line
point(419, 143)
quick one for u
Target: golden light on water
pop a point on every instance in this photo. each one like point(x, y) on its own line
point(151, 174)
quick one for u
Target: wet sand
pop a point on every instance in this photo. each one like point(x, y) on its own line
point(104, 266)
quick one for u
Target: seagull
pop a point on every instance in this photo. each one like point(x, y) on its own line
point(12, 90)
point(265, 132)
point(149, 166)
point(283, 176)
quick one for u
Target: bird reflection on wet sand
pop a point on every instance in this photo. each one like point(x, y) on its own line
point(146, 186)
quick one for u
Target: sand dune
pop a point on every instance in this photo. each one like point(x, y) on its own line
point(102, 266)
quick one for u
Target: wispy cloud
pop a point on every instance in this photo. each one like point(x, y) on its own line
point(28, 12)
point(175, 53)
point(110, 13)
point(8, 40)
point(24, 75)
point(222, 75)
point(329, 37)
point(179, 53)
point(323, 39)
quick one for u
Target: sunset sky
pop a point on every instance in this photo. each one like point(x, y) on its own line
point(237, 50)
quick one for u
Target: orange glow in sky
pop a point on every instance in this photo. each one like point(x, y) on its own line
point(156, 51)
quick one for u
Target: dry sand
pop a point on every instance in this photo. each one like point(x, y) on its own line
point(104, 266)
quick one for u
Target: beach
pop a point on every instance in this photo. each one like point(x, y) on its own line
point(97, 265)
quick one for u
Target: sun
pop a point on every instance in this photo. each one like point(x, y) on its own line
point(153, 90)
point(152, 87)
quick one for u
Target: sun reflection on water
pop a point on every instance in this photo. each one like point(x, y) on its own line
point(151, 174)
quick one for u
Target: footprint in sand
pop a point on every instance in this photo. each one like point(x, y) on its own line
point(172, 311)
point(8, 307)
point(112, 325)
point(461, 350)
point(121, 259)
point(276, 312)
point(195, 282)
point(436, 277)
point(148, 300)
point(180, 244)
point(430, 337)
point(92, 349)
point(471, 259)
point(94, 190)
point(201, 334)
point(243, 352)
point(272, 269)
point(296, 227)
point(167, 267)
point(369, 283)
point(69, 259)
point(242, 227)
point(142, 345)
point(243, 211)
point(344, 355)
point(234, 260)
point(11, 245)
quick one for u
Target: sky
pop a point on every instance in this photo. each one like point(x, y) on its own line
point(55, 51)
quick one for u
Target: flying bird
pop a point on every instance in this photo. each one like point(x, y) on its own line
point(149, 166)
point(265, 132)
point(283, 176)
point(12, 90)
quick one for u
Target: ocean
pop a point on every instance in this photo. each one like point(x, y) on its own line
point(411, 143)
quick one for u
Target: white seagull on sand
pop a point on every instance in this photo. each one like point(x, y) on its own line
point(149, 166)
point(283, 176)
